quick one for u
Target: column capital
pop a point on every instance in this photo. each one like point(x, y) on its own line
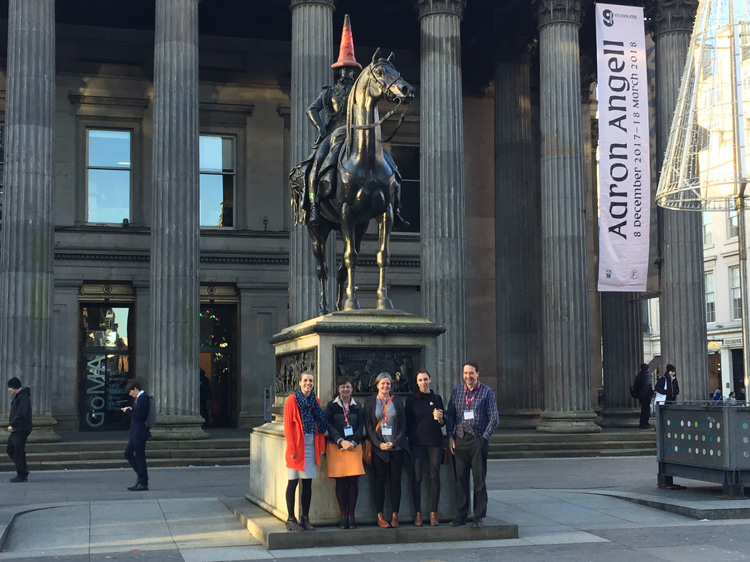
point(432, 7)
point(671, 15)
point(326, 3)
point(559, 11)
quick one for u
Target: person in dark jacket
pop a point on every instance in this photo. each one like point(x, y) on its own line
point(346, 428)
point(135, 452)
point(424, 420)
point(668, 386)
point(385, 424)
point(19, 427)
point(645, 393)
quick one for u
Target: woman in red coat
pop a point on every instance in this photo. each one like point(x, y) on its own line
point(304, 426)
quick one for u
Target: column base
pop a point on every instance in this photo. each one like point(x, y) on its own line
point(519, 419)
point(620, 417)
point(175, 428)
point(44, 429)
point(574, 421)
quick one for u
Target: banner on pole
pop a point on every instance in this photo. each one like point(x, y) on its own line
point(624, 173)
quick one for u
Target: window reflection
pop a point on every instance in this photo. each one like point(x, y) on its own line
point(217, 180)
point(108, 176)
point(104, 366)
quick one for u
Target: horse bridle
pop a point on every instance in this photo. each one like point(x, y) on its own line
point(386, 88)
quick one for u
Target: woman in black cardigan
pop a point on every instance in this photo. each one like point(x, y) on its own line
point(346, 428)
point(424, 415)
point(385, 424)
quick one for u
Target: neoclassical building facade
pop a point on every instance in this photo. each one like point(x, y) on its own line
point(146, 227)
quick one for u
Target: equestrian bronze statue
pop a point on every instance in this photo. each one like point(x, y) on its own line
point(350, 179)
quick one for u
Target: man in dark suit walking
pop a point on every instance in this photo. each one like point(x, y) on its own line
point(135, 452)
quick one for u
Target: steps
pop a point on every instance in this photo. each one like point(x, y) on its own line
point(83, 454)
point(231, 447)
point(531, 445)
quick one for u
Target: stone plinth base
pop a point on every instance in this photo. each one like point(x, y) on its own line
point(575, 421)
point(43, 429)
point(273, 534)
point(519, 419)
point(620, 417)
point(268, 482)
point(174, 428)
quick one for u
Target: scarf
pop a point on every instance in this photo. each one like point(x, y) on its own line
point(309, 411)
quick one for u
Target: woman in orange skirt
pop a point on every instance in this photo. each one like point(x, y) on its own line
point(344, 449)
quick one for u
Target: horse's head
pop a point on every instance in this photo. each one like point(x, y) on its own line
point(386, 83)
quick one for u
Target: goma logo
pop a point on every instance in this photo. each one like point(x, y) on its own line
point(608, 18)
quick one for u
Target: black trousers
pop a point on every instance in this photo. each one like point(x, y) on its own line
point(645, 412)
point(471, 456)
point(17, 452)
point(135, 453)
point(426, 459)
point(384, 473)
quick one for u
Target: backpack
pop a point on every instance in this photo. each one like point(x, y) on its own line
point(151, 418)
point(635, 388)
point(634, 391)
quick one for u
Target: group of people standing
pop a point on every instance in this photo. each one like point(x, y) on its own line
point(399, 433)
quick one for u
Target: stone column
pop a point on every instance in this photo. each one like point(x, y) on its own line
point(622, 347)
point(518, 266)
point(312, 56)
point(566, 363)
point(682, 300)
point(442, 177)
point(28, 229)
point(175, 235)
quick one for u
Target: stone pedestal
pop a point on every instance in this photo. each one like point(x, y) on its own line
point(360, 344)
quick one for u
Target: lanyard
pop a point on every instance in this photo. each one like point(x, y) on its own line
point(345, 409)
point(385, 409)
point(476, 393)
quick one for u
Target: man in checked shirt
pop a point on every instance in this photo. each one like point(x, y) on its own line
point(471, 417)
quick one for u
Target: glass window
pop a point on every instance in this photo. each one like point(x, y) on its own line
point(105, 365)
point(710, 296)
point(734, 292)
point(732, 221)
point(407, 160)
point(218, 173)
point(108, 176)
point(708, 235)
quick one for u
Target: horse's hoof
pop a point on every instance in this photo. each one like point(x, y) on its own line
point(385, 304)
point(351, 304)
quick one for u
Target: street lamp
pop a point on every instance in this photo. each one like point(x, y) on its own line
point(705, 167)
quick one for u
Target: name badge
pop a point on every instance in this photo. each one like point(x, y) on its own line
point(386, 430)
point(348, 431)
point(468, 414)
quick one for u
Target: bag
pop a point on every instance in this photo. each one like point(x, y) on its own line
point(151, 417)
point(446, 459)
point(367, 452)
point(634, 392)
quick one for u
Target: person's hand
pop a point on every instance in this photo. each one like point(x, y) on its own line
point(439, 415)
point(347, 445)
point(126, 409)
point(452, 445)
point(10, 428)
point(386, 446)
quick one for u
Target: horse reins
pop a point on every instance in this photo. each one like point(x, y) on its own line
point(387, 115)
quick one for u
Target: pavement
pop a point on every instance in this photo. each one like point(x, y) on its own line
point(566, 509)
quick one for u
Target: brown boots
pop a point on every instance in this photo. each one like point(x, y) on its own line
point(382, 523)
point(394, 519)
point(418, 519)
point(434, 521)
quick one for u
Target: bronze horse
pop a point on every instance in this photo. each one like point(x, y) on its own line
point(363, 184)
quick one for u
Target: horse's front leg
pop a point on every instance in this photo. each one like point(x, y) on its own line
point(350, 256)
point(385, 225)
point(319, 236)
